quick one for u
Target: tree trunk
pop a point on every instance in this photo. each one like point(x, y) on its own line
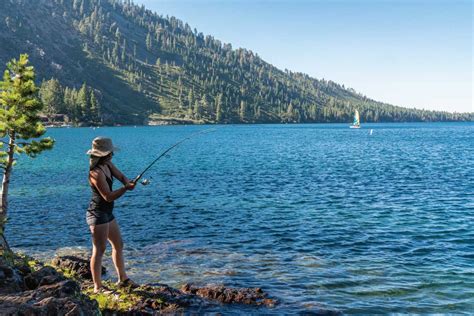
point(4, 193)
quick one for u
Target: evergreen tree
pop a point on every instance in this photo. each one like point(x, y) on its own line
point(70, 104)
point(190, 98)
point(95, 108)
point(204, 103)
point(190, 112)
point(149, 42)
point(197, 109)
point(82, 8)
point(76, 4)
point(115, 52)
point(83, 102)
point(124, 51)
point(51, 95)
point(243, 110)
point(118, 35)
point(19, 123)
point(219, 108)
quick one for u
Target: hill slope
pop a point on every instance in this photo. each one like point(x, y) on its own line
point(142, 64)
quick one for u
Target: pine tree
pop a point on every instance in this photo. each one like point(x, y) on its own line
point(124, 51)
point(115, 57)
point(95, 108)
point(76, 4)
point(70, 104)
point(51, 95)
point(82, 8)
point(149, 42)
point(19, 123)
point(118, 35)
point(83, 103)
point(204, 104)
point(289, 113)
point(190, 98)
point(219, 108)
point(243, 110)
point(197, 109)
point(190, 112)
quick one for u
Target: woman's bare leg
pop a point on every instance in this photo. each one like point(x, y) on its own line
point(115, 239)
point(99, 243)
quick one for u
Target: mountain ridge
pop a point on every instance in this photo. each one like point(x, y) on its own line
point(143, 65)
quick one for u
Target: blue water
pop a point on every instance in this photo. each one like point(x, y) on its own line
point(323, 217)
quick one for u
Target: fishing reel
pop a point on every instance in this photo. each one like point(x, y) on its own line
point(145, 182)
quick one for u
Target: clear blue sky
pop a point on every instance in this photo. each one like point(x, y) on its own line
point(410, 53)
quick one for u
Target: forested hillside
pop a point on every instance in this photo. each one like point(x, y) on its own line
point(137, 64)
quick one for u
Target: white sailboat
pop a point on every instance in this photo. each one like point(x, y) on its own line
point(356, 123)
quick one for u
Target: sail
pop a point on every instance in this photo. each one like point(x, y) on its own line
point(356, 118)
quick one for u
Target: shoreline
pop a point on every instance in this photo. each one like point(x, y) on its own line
point(248, 124)
point(64, 286)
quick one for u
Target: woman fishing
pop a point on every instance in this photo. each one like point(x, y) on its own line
point(100, 217)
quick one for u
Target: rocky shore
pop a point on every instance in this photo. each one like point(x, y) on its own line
point(64, 287)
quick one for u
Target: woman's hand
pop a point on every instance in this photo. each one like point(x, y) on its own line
point(130, 185)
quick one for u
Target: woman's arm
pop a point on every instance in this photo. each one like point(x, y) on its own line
point(98, 180)
point(117, 174)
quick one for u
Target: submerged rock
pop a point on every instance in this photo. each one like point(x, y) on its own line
point(248, 296)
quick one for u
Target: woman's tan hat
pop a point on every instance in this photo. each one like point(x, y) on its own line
point(101, 147)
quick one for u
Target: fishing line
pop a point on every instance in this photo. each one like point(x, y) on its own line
point(145, 181)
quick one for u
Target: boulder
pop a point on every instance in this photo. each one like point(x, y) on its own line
point(43, 276)
point(10, 281)
point(80, 266)
point(52, 296)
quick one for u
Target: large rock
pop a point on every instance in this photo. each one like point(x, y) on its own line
point(43, 276)
point(80, 266)
point(61, 298)
point(10, 280)
point(48, 293)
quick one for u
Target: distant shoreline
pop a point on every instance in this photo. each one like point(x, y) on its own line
point(229, 124)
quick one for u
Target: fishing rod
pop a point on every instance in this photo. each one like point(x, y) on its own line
point(145, 182)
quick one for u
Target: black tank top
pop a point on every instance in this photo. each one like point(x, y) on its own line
point(98, 203)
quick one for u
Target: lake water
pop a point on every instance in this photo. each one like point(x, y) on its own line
point(321, 217)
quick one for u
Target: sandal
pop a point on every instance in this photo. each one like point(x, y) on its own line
point(128, 284)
